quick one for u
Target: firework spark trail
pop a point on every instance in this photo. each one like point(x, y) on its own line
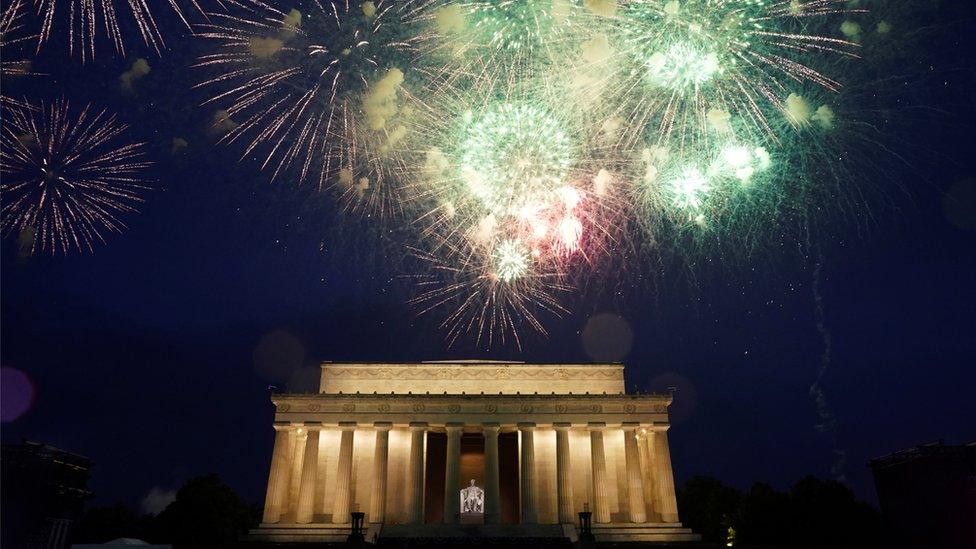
point(81, 22)
point(317, 93)
point(67, 180)
point(12, 33)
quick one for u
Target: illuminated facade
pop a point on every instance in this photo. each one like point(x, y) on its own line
point(399, 442)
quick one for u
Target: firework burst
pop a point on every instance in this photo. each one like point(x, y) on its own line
point(700, 187)
point(488, 296)
point(317, 89)
point(12, 34)
point(494, 41)
point(507, 206)
point(81, 22)
point(67, 180)
point(502, 169)
point(687, 67)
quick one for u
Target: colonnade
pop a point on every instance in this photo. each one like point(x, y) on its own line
point(649, 478)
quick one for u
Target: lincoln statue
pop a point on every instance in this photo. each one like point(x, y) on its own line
point(472, 499)
point(421, 448)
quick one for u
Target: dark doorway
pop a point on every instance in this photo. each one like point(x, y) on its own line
point(472, 460)
point(472, 467)
point(508, 477)
point(434, 477)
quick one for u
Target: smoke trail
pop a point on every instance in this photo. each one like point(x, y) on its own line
point(826, 421)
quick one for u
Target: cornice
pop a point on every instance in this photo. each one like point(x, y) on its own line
point(465, 404)
point(489, 371)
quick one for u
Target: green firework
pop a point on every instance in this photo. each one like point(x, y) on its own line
point(512, 25)
point(513, 156)
point(700, 185)
point(738, 57)
point(512, 260)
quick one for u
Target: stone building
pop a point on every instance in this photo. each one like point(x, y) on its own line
point(399, 442)
point(44, 490)
point(928, 496)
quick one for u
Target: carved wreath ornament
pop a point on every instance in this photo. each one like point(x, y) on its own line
point(451, 373)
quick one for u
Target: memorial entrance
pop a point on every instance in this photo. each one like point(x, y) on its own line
point(501, 446)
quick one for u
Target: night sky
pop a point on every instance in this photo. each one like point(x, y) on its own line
point(154, 354)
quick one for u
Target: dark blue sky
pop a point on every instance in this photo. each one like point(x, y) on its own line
point(143, 353)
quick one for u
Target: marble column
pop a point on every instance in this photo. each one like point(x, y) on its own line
point(452, 472)
point(564, 475)
point(278, 477)
point(343, 493)
point(663, 476)
point(601, 499)
point(493, 508)
point(381, 454)
point(415, 488)
point(290, 504)
point(647, 470)
point(310, 467)
point(530, 514)
point(635, 480)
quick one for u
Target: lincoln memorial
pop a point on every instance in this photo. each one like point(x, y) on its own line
point(437, 448)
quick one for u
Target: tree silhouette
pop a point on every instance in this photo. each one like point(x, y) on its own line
point(206, 513)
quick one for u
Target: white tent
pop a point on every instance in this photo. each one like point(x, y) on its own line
point(121, 542)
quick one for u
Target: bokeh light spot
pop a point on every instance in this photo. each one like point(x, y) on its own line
point(607, 338)
point(959, 204)
point(16, 394)
point(278, 355)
